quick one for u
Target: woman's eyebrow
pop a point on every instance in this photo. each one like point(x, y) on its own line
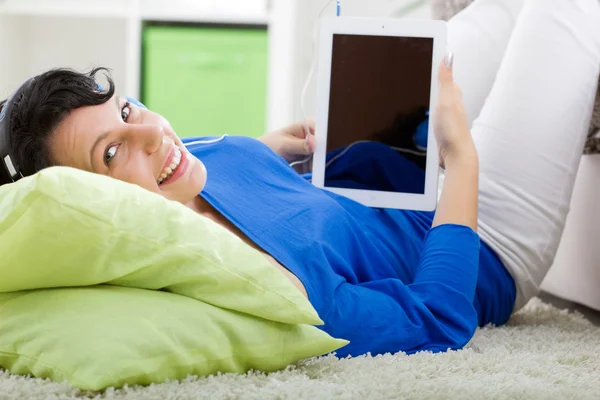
point(103, 136)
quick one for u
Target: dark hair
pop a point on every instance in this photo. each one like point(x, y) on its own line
point(43, 105)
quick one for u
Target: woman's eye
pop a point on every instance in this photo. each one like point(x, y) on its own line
point(110, 152)
point(125, 111)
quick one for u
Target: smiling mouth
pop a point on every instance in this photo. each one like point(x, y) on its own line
point(171, 167)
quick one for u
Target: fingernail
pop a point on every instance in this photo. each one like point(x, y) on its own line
point(449, 60)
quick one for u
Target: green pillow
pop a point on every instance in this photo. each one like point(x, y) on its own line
point(64, 227)
point(103, 336)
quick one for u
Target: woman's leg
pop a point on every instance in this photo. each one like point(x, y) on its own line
point(531, 131)
point(478, 36)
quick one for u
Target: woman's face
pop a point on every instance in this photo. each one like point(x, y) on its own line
point(131, 144)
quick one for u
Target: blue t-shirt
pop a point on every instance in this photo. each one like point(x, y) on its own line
point(380, 278)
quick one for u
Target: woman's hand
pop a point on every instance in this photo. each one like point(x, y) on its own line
point(459, 200)
point(451, 126)
point(293, 142)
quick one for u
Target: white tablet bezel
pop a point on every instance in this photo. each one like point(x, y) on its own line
point(378, 27)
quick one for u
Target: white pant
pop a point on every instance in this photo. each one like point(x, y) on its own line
point(529, 71)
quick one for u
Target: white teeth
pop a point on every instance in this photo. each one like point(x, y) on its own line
point(168, 171)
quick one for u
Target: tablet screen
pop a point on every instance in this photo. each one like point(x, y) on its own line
point(379, 113)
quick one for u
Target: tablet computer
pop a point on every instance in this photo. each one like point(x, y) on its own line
point(376, 97)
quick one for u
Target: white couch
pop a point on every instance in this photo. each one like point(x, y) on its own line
point(575, 274)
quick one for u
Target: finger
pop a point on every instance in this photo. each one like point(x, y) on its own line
point(294, 147)
point(310, 143)
point(302, 129)
point(445, 70)
point(309, 127)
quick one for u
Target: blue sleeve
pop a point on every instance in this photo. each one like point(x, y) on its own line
point(435, 312)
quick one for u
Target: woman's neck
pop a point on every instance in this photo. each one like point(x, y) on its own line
point(204, 208)
point(199, 205)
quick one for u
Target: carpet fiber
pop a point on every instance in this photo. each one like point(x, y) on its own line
point(543, 353)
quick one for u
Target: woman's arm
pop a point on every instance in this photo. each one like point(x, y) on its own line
point(435, 312)
point(458, 202)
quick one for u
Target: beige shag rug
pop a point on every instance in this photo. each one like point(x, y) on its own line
point(543, 353)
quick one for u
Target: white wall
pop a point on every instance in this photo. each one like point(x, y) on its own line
point(82, 43)
point(12, 68)
point(38, 43)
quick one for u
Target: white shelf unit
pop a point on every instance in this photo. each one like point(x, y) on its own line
point(36, 35)
point(226, 10)
point(64, 8)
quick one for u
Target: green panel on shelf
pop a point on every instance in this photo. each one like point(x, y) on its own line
point(206, 80)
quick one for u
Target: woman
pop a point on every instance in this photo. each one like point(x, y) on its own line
point(387, 280)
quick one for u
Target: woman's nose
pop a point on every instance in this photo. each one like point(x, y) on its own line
point(148, 137)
